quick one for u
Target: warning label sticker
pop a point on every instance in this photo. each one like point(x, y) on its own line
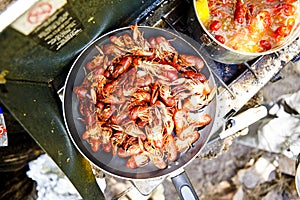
point(50, 23)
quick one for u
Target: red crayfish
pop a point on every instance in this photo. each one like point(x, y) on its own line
point(137, 101)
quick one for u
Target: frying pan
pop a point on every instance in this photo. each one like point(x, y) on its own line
point(112, 164)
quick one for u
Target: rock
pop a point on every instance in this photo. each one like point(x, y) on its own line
point(211, 167)
point(239, 195)
point(260, 172)
point(158, 193)
point(250, 179)
point(286, 165)
point(263, 168)
point(275, 194)
point(224, 185)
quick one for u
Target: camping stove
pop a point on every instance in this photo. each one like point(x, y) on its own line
point(237, 84)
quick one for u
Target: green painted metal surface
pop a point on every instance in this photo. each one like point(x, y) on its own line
point(37, 108)
point(26, 59)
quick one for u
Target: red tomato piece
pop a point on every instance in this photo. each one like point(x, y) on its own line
point(266, 45)
point(215, 25)
point(220, 38)
point(283, 31)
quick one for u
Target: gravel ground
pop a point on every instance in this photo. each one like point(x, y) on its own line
point(241, 172)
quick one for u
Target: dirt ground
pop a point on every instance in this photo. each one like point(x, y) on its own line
point(231, 175)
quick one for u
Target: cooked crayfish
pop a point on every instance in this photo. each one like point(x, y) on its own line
point(141, 100)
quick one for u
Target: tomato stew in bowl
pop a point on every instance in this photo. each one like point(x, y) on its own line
point(252, 26)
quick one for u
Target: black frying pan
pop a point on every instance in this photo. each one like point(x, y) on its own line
point(112, 164)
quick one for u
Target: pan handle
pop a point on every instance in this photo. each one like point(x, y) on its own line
point(184, 187)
